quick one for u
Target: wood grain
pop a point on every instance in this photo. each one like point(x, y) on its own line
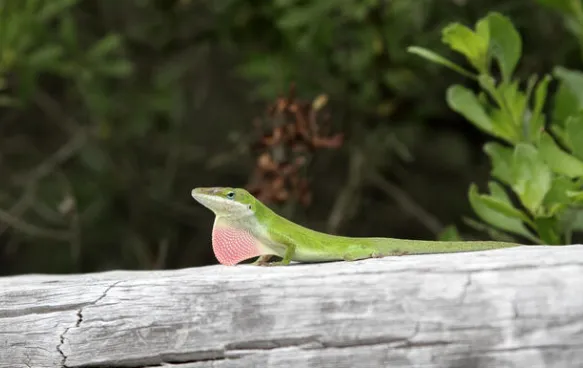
point(519, 307)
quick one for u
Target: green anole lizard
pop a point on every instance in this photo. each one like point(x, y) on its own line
point(245, 228)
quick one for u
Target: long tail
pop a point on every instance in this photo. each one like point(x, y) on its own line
point(381, 247)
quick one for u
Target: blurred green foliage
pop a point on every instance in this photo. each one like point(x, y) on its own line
point(110, 112)
point(544, 172)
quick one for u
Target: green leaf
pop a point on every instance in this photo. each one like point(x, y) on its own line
point(575, 195)
point(532, 177)
point(558, 132)
point(546, 227)
point(501, 157)
point(558, 160)
point(45, 57)
point(514, 102)
point(488, 84)
point(470, 44)
point(68, 31)
point(557, 198)
point(438, 59)
point(565, 104)
point(493, 232)
point(537, 120)
point(52, 9)
point(506, 118)
point(505, 44)
point(116, 68)
point(483, 28)
point(105, 46)
point(571, 220)
point(495, 218)
point(464, 102)
point(573, 81)
point(500, 202)
point(450, 233)
point(574, 134)
point(500, 194)
point(530, 84)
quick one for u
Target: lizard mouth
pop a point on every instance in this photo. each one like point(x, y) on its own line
point(209, 201)
point(232, 245)
point(220, 206)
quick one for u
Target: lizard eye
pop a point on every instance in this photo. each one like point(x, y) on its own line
point(231, 195)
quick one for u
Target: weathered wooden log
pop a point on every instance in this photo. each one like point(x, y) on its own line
point(504, 308)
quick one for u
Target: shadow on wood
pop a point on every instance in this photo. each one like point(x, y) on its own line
point(518, 307)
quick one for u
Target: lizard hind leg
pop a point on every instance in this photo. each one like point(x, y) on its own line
point(362, 252)
point(355, 256)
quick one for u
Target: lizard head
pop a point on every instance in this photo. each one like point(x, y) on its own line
point(232, 238)
point(226, 202)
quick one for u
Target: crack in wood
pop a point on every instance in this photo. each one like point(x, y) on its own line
point(41, 310)
point(60, 347)
point(240, 350)
point(300, 342)
point(80, 311)
point(467, 286)
point(163, 360)
point(79, 320)
point(515, 311)
point(514, 349)
point(274, 343)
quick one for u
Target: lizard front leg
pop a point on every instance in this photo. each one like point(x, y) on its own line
point(290, 250)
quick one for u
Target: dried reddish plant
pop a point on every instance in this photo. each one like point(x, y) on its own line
point(289, 136)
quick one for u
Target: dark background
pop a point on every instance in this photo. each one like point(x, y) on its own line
point(112, 111)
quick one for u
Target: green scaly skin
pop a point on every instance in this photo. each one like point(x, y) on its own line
point(237, 208)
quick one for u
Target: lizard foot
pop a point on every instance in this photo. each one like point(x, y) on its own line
point(349, 258)
point(262, 260)
point(377, 255)
point(274, 264)
point(399, 253)
point(278, 263)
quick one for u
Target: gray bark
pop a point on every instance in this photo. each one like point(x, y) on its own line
point(520, 307)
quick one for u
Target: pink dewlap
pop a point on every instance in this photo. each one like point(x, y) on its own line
point(232, 245)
